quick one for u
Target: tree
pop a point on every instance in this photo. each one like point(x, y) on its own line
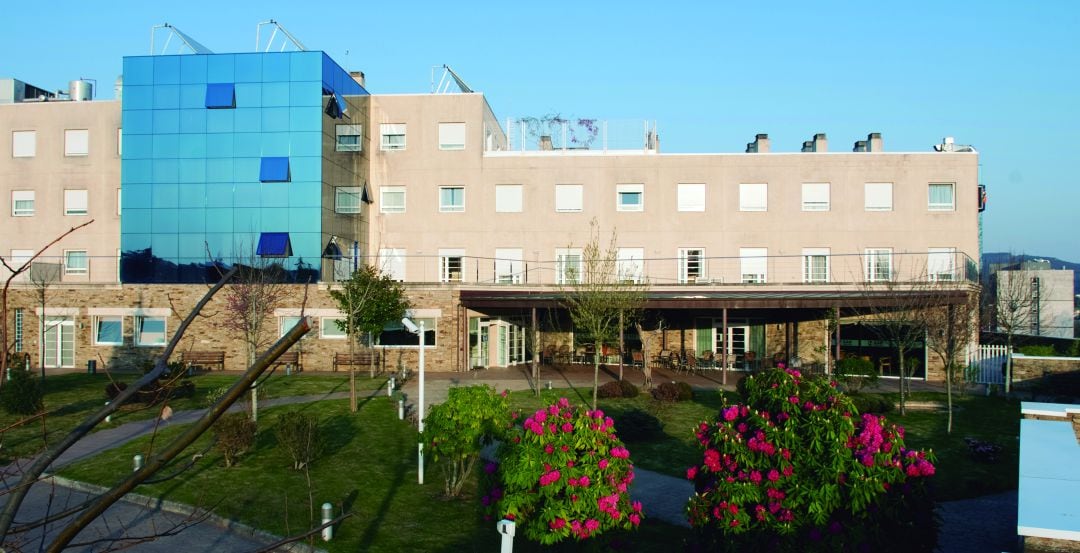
point(1019, 299)
point(369, 300)
point(600, 295)
point(951, 329)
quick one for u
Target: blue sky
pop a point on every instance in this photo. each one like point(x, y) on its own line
point(1002, 76)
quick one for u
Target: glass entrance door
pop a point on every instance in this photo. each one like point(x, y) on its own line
point(59, 345)
point(735, 346)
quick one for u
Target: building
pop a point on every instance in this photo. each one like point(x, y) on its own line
point(1034, 299)
point(284, 158)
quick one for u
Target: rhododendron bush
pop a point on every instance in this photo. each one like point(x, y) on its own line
point(795, 468)
point(564, 474)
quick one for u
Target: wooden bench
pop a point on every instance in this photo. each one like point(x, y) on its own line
point(361, 359)
point(203, 359)
point(290, 358)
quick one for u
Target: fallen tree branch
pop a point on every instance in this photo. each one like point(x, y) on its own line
point(285, 541)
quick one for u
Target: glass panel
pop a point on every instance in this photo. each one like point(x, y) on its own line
point(109, 330)
point(150, 331)
point(330, 328)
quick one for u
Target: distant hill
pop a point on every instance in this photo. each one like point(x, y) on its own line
point(1005, 257)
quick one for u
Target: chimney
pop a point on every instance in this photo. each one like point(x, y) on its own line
point(808, 146)
point(860, 146)
point(821, 144)
point(357, 76)
point(874, 143)
point(760, 145)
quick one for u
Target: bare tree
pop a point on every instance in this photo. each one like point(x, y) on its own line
point(951, 328)
point(1019, 299)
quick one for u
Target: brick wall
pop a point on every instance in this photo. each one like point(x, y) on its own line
point(1026, 370)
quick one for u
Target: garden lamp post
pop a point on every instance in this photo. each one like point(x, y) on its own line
point(419, 331)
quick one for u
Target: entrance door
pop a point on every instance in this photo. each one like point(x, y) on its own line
point(59, 346)
point(736, 345)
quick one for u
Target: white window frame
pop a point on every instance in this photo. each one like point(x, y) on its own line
point(22, 196)
point(754, 265)
point(23, 143)
point(356, 131)
point(626, 191)
point(509, 265)
point(76, 202)
point(630, 264)
point(348, 191)
point(386, 191)
point(287, 322)
point(451, 208)
point(941, 264)
point(331, 322)
point(872, 267)
point(69, 270)
point(392, 263)
point(119, 142)
point(567, 259)
point(816, 196)
point(389, 130)
point(447, 257)
point(451, 136)
point(569, 198)
point(139, 335)
point(753, 196)
point(874, 194)
point(691, 197)
point(508, 198)
point(687, 257)
point(119, 201)
point(98, 319)
point(808, 274)
point(931, 206)
point(76, 142)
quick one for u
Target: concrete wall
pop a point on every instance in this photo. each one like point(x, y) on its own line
point(1027, 370)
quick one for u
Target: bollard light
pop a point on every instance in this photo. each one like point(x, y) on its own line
point(327, 516)
point(401, 409)
point(137, 462)
point(108, 418)
point(549, 384)
point(390, 387)
point(506, 530)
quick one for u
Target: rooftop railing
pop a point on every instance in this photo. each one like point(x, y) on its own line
point(554, 133)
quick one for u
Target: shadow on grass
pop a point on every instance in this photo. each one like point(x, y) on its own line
point(380, 513)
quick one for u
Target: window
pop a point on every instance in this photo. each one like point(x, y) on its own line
point(754, 264)
point(395, 334)
point(815, 196)
point(691, 197)
point(451, 136)
point(568, 197)
point(878, 264)
point(23, 143)
point(75, 202)
point(878, 196)
point(109, 330)
point(508, 265)
point(392, 199)
point(630, 264)
point(815, 265)
point(18, 329)
point(393, 136)
point(753, 197)
point(942, 197)
point(392, 262)
point(691, 265)
point(451, 199)
point(149, 331)
point(76, 262)
point(349, 138)
point(330, 330)
point(451, 262)
point(941, 264)
point(22, 203)
point(220, 95)
point(76, 142)
point(274, 244)
point(568, 265)
point(274, 169)
point(286, 323)
point(347, 199)
point(508, 198)
point(630, 197)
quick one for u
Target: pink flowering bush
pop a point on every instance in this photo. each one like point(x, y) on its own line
point(564, 474)
point(795, 468)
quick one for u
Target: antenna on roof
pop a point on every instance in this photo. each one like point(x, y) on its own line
point(286, 38)
point(185, 44)
point(448, 76)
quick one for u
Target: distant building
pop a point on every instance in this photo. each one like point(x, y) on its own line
point(1044, 297)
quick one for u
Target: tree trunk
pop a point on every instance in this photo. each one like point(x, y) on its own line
point(596, 374)
point(948, 394)
point(900, 354)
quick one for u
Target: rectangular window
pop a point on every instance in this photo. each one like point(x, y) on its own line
point(395, 334)
point(286, 323)
point(274, 169)
point(347, 199)
point(76, 142)
point(75, 202)
point(451, 264)
point(630, 264)
point(76, 262)
point(878, 196)
point(451, 199)
point(941, 264)
point(508, 265)
point(18, 329)
point(568, 197)
point(150, 331)
point(630, 197)
point(392, 199)
point(942, 197)
point(815, 265)
point(508, 198)
point(754, 265)
point(349, 138)
point(22, 203)
point(392, 136)
point(274, 244)
point(753, 196)
point(23, 143)
point(220, 95)
point(691, 197)
point(878, 264)
point(568, 266)
point(815, 196)
point(330, 330)
point(109, 330)
point(392, 263)
point(691, 265)
point(451, 136)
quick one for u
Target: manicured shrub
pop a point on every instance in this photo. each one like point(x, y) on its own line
point(300, 436)
point(636, 425)
point(671, 392)
point(855, 373)
point(234, 434)
point(617, 388)
point(458, 429)
point(22, 394)
point(795, 469)
point(686, 393)
point(564, 474)
point(871, 403)
point(1038, 351)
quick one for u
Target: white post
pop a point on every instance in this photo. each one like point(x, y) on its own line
point(327, 516)
point(506, 530)
point(420, 411)
point(137, 462)
point(401, 409)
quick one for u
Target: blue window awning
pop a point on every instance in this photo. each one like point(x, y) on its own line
point(332, 250)
point(274, 169)
point(220, 95)
point(274, 244)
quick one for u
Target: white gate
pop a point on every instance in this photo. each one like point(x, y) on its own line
point(987, 364)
